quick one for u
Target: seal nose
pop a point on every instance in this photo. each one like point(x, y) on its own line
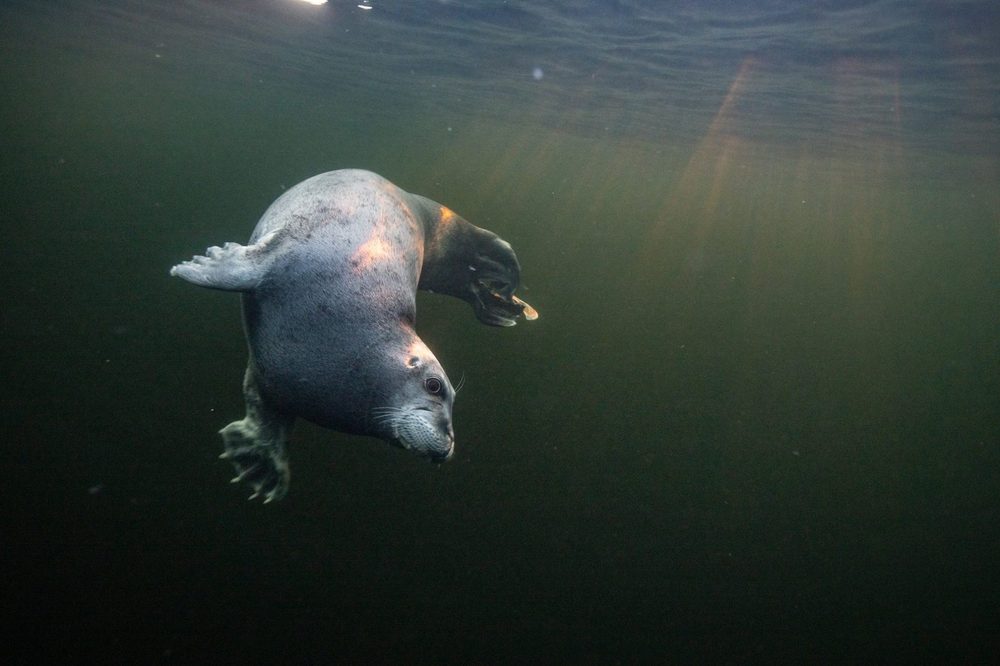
point(442, 456)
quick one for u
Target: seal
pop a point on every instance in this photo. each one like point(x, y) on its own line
point(328, 283)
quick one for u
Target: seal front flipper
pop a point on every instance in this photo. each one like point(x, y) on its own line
point(259, 458)
point(255, 445)
point(232, 267)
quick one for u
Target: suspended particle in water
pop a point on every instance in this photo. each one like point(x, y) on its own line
point(537, 73)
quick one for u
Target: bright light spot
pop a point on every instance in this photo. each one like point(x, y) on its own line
point(371, 252)
point(537, 73)
point(364, 6)
point(315, 2)
point(446, 215)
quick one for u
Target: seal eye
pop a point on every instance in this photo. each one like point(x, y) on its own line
point(434, 385)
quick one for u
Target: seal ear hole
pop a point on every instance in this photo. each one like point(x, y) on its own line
point(434, 385)
point(413, 362)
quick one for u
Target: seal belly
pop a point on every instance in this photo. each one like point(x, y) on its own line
point(312, 325)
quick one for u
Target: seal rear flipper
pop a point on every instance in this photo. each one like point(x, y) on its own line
point(472, 264)
point(528, 312)
point(232, 267)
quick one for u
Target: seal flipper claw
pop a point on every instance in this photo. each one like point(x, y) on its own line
point(259, 460)
point(232, 267)
point(255, 445)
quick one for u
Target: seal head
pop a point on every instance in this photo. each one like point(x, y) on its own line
point(417, 415)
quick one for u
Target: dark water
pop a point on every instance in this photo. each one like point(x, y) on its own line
point(758, 418)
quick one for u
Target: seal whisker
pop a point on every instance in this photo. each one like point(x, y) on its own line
point(385, 412)
point(390, 415)
point(461, 383)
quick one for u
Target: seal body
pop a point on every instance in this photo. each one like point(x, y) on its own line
point(329, 283)
point(331, 325)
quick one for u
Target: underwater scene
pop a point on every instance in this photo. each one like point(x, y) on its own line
point(725, 385)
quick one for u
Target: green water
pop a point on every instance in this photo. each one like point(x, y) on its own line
point(758, 418)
